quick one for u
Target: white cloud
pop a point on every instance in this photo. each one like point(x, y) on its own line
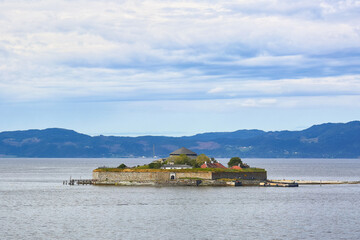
point(221, 108)
point(339, 85)
point(134, 50)
point(268, 60)
point(265, 102)
point(216, 90)
point(82, 26)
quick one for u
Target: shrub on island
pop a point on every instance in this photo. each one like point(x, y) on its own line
point(155, 165)
point(236, 161)
point(182, 159)
point(122, 166)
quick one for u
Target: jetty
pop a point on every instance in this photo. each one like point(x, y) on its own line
point(311, 182)
point(79, 182)
point(279, 184)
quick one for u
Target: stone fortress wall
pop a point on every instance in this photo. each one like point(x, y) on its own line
point(262, 176)
point(170, 176)
point(148, 176)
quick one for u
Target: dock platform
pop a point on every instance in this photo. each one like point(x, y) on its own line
point(279, 184)
point(79, 182)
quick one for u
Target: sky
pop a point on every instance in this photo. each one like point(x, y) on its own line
point(174, 68)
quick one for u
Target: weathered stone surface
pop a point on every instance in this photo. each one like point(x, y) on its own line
point(178, 178)
point(240, 175)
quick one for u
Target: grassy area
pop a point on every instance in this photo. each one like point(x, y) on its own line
point(139, 169)
point(191, 178)
point(226, 179)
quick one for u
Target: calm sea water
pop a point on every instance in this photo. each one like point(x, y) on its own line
point(35, 205)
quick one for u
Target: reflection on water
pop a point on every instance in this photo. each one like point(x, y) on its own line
point(35, 205)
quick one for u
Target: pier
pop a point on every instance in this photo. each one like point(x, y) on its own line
point(79, 182)
point(312, 182)
point(279, 184)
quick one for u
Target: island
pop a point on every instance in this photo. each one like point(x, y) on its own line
point(183, 167)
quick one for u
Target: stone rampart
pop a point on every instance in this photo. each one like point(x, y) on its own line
point(148, 176)
point(240, 175)
point(167, 177)
point(130, 176)
point(201, 175)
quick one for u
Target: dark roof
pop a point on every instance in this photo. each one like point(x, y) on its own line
point(183, 151)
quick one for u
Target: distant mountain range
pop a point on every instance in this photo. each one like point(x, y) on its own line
point(330, 140)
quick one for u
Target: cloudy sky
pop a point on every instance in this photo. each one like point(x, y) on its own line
point(178, 67)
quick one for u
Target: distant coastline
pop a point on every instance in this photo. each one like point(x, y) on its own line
point(330, 140)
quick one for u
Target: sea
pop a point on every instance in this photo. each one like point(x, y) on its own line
point(34, 203)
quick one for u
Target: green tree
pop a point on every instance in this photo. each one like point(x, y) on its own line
point(122, 166)
point(244, 165)
point(235, 161)
point(155, 165)
point(182, 159)
point(201, 159)
point(193, 163)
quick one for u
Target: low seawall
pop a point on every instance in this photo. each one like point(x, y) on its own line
point(261, 176)
point(160, 176)
point(172, 178)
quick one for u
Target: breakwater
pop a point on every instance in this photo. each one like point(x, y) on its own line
point(79, 182)
point(316, 182)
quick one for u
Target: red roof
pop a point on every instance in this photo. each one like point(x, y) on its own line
point(236, 167)
point(212, 165)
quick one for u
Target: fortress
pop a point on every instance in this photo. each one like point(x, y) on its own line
point(180, 177)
